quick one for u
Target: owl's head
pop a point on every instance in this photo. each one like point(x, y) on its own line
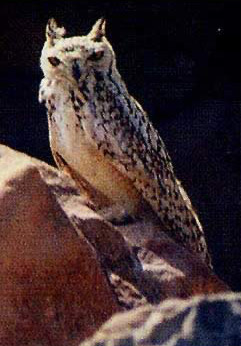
point(74, 58)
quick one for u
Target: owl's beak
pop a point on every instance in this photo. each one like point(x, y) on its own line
point(76, 70)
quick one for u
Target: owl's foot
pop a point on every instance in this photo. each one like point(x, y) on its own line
point(116, 215)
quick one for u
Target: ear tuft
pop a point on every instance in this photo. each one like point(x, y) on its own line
point(53, 32)
point(98, 30)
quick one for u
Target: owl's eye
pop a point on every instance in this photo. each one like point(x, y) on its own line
point(95, 56)
point(54, 61)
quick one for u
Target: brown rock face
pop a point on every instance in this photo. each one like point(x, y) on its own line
point(65, 270)
point(178, 272)
point(52, 289)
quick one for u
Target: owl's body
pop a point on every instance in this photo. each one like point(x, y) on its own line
point(72, 142)
point(103, 135)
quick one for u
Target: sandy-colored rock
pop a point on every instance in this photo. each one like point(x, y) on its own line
point(213, 320)
point(179, 273)
point(52, 288)
point(65, 270)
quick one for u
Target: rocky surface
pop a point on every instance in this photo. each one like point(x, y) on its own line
point(201, 321)
point(65, 270)
point(52, 288)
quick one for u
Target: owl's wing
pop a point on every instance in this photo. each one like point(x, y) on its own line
point(135, 148)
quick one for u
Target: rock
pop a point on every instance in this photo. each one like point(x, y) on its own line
point(52, 289)
point(213, 320)
point(65, 270)
point(179, 273)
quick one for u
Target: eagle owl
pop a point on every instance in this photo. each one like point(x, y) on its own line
point(105, 138)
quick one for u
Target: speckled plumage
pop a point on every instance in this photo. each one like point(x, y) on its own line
point(102, 133)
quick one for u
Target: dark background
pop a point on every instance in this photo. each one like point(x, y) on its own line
point(181, 60)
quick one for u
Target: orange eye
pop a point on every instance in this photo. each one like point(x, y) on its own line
point(54, 61)
point(96, 55)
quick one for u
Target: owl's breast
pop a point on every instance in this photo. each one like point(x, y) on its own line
point(72, 136)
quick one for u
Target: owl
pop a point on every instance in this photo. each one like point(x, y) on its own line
point(104, 138)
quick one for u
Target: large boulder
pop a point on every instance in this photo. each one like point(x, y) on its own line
point(65, 270)
point(52, 288)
